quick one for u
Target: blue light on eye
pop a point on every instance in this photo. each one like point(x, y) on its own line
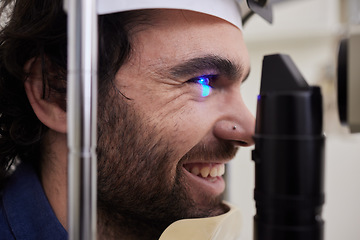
point(206, 89)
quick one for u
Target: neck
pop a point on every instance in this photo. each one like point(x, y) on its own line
point(113, 226)
point(54, 174)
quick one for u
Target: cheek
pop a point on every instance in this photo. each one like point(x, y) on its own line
point(187, 128)
point(176, 117)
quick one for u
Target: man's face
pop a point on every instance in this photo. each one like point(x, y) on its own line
point(167, 128)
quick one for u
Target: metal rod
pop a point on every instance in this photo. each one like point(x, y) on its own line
point(82, 116)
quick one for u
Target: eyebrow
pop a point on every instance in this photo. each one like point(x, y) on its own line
point(216, 63)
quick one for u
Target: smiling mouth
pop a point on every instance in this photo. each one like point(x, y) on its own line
point(205, 179)
point(207, 171)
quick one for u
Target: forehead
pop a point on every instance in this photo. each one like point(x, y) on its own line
point(173, 36)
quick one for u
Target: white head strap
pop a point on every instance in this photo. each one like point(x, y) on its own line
point(228, 10)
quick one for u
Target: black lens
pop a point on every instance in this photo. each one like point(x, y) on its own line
point(288, 155)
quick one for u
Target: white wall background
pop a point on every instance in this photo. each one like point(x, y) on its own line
point(309, 31)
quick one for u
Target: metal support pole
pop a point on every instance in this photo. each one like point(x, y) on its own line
point(82, 114)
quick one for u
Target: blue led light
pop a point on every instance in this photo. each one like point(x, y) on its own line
point(206, 89)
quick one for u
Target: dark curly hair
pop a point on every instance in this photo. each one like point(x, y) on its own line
point(38, 29)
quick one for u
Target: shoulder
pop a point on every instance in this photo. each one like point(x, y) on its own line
point(25, 212)
point(5, 230)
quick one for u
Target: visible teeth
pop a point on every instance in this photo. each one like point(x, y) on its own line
point(208, 171)
point(205, 172)
point(214, 172)
point(221, 170)
point(195, 171)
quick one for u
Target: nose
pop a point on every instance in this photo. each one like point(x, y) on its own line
point(237, 124)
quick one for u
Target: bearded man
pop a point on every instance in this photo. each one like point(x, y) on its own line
point(170, 117)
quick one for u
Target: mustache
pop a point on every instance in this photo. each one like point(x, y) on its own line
point(221, 150)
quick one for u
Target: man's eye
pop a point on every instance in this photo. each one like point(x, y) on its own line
point(205, 83)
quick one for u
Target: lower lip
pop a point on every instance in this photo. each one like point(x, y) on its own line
point(212, 186)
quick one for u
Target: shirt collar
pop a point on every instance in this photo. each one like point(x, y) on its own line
point(223, 227)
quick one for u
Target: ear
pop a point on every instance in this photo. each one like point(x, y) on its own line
point(48, 111)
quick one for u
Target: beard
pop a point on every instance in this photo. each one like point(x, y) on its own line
point(138, 190)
